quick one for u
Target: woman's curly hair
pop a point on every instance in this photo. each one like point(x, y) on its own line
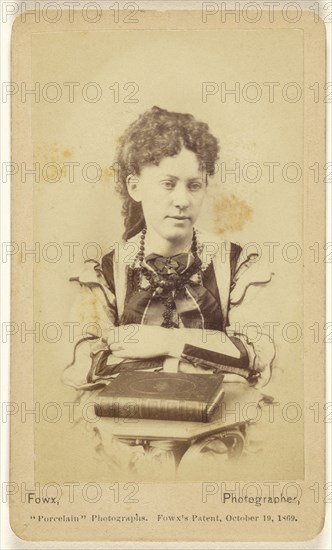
point(156, 134)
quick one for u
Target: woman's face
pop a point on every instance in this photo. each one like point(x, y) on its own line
point(171, 193)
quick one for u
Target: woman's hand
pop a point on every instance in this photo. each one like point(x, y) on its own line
point(142, 341)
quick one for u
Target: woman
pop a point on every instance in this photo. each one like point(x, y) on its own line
point(170, 288)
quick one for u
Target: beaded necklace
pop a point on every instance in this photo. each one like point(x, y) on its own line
point(165, 286)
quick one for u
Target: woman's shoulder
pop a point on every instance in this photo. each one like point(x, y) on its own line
point(107, 266)
point(108, 259)
point(213, 245)
point(119, 256)
point(246, 263)
point(120, 252)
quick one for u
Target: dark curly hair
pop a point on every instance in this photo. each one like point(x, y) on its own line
point(156, 134)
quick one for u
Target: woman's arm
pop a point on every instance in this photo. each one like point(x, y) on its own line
point(206, 349)
point(232, 353)
point(144, 341)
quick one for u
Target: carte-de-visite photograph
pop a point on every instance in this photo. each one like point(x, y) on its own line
point(169, 216)
point(162, 302)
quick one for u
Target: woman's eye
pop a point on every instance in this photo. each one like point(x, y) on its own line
point(195, 186)
point(168, 184)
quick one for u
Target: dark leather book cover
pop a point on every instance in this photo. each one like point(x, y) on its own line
point(161, 395)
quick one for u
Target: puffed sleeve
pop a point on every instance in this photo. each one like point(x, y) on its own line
point(248, 310)
point(96, 311)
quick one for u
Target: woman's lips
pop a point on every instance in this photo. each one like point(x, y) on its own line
point(181, 218)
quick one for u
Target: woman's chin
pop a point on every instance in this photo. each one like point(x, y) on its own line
point(178, 233)
point(174, 228)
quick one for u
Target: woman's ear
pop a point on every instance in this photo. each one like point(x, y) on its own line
point(133, 187)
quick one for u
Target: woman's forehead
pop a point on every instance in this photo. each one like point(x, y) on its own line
point(183, 165)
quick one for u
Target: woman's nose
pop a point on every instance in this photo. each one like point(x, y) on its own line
point(181, 195)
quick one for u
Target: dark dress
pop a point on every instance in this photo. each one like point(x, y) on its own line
point(141, 308)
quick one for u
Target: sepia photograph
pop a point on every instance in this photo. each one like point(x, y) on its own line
point(161, 303)
point(167, 331)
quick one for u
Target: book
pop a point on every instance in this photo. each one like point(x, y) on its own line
point(161, 396)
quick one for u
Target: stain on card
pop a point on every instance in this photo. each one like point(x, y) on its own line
point(230, 213)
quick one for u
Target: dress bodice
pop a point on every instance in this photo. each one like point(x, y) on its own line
point(196, 305)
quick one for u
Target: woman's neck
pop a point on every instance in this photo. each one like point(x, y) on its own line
point(155, 243)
